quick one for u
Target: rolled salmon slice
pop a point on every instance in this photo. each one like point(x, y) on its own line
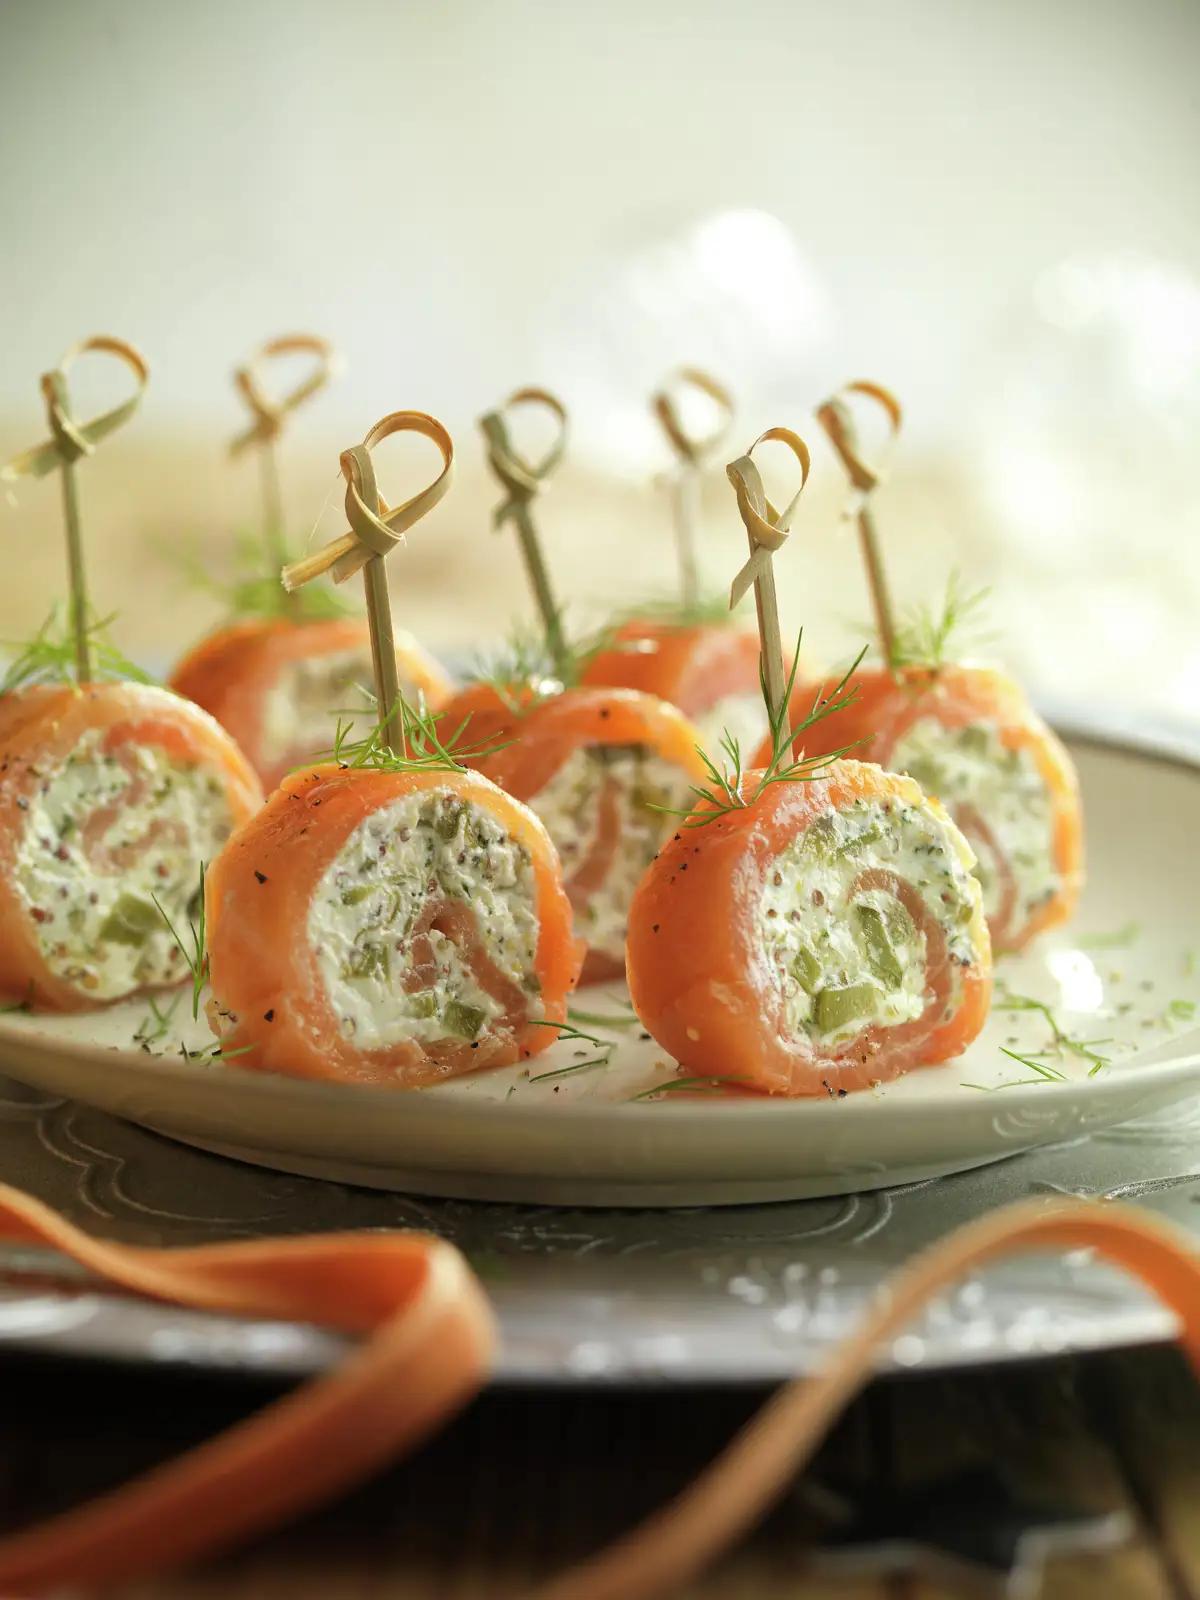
point(708, 670)
point(604, 769)
point(113, 796)
point(393, 928)
point(969, 736)
point(824, 936)
point(279, 686)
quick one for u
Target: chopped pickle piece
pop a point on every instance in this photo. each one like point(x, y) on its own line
point(131, 921)
point(871, 834)
point(463, 1020)
point(806, 969)
point(422, 1004)
point(446, 821)
point(881, 956)
point(835, 1007)
point(356, 895)
point(373, 960)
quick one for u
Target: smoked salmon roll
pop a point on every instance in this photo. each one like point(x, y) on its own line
point(112, 796)
point(603, 769)
point(388, 927)
point(968, 735)
point(822, 935)
point(708, 670)
point(278, 685)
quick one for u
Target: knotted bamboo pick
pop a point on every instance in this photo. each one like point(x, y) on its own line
point(767, 530)
point(838, 422)
point(692, 452)
point(69, 441)
point(375, 531)
point(269, 417)
point(524, 480)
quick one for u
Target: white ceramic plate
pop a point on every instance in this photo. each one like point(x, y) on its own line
point(545, 1134)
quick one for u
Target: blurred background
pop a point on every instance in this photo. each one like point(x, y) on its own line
point(992, 209)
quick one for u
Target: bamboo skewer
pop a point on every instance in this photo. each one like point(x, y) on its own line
point(767, 530)
point(69, 441)
point(838, 422)
point(692, 451)
point(524, 481)
point(375, 531)
point(269, 417)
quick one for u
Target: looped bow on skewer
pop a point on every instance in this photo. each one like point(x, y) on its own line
point(692, 449)
point(767, 527)
point(270, 415)
point(375, 528)
point(70, 440)
point(523, 479)
point(838, 422)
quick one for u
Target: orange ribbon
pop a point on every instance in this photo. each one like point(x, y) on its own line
point(428, 1338)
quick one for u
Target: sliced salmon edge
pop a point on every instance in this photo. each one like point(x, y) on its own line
point(264, 974)
point(693, 969)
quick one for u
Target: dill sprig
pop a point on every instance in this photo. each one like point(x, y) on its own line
point(197, 956)
point(424, 748)
point(925, 637)
point(523, 670)
point(725, 790)
point(601, 1060)
point(691, 1085)
point(706, 610)
point(1120, 939)
point(1060, 1040)
point(158, 1024)
point(628, 1018)
point(255, 592)
point(51, 656)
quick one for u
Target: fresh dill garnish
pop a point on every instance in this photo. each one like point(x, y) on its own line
point(1180, 1011)
point(577, 1066)
point(197, 956)
point(724, 791)
point(50, 656)
point(925, 637)
point(1042, 1069)
point(1110, 941)
point(1060, 1040)
point(706, 610)
point(599, 1019)
point(523, 670)
point(215, 1052)
point(255, 592)
point(424, 747)
point(694, 1085)
point(158, 1024)
point(568, 1031)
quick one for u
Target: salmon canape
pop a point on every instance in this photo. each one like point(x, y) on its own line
point(278, 685)
point(809, 936)
point(604, 769)
point(968, 735)
point(112, 796)
point(393, 927)
point(709, 670)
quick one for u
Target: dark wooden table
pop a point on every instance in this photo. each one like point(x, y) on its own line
point(525, 1482)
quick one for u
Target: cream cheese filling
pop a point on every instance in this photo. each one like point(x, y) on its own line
point(846, 955)
point(970, 770)
point(602, 802)
point(106, 835)
point(367, 923)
